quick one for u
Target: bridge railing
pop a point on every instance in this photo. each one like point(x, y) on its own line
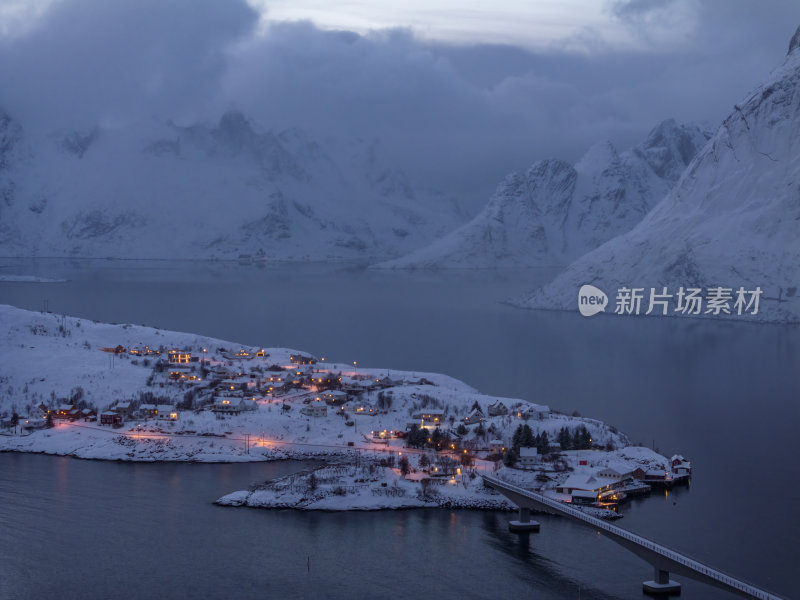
point(638, 539)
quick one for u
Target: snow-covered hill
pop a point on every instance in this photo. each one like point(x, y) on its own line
point(54, 360)
point(733, 219)
point(555, 212)
point(206, 191)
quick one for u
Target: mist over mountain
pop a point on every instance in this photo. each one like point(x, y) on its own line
point(732, 220)
point(209, 190)
point(554, 212)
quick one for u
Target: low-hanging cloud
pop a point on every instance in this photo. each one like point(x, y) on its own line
point(456, 116)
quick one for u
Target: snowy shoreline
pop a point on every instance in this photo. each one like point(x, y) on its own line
point(95, 391)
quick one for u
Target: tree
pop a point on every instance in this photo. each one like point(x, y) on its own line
point(437, 439)
point(312, 481)
point(425, 484)
point(480, 431)
point(526, 437)
point(475, 406)
point(576, 439)
point(564, 438)
point(516, 438)
point(466, 459)
point(49, 420)
point(586, 438)
point(424, 461)
point(509, 459)
point(14, 419)
point(461, 429)
point(544, 444)
point(417, 438)
point(405, 467)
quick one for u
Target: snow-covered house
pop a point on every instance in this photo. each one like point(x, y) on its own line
point(233, 405)
point(497, 409)
point(179, 356)
point(166, 412)
point(365, 408)
point(109, 417)
point(302, 359)
point(227, 406)
point(497, 446)
point(39, 412)
point(147, 411)
point(656, 475)
point(67, 412)
point(124, 409)
point(583, 497)
point(315, 409)
point(386, 382)
point(240, 355)
point(609, 473)
point(334, 398)
point(474, 417)
point(528, 457)
point(533, 411)
point(587, 480)
point(430, 418)
point(680, 466)
point(276, 388)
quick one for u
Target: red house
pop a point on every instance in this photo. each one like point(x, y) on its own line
point(110, 418)
point(67, 412)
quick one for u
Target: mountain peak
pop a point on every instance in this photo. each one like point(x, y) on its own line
point(598, 157)
point(235, 124)
point(795, 43)
point(670, 147)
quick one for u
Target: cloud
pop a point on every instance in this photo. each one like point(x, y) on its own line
point(88, 61)
point(458, 116)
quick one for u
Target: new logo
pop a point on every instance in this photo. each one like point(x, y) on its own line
point(591, 300)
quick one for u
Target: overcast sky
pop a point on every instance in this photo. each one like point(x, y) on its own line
point(459, 93)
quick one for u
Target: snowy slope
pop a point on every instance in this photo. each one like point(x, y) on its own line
point(47, 358)
point(555, 212)
point(208, 191)
point(732, 220)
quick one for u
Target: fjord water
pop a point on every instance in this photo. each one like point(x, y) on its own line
point(724, 394)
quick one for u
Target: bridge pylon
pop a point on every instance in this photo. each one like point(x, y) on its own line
point(661, 584)
point(524, 524)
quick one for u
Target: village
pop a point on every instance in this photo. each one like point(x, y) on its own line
point(210, 401)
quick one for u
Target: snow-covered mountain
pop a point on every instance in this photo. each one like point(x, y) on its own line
point(733, 219)
point(555, 212)
point(208, 190)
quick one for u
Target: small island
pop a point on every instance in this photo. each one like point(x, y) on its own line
point(388, 439)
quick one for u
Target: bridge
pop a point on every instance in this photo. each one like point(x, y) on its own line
point(664, 560)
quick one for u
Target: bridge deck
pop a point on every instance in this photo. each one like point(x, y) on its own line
point(724, 579)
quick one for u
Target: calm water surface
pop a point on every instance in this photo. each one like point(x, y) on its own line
point(724, 394)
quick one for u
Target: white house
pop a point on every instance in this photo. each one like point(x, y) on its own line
point(430, 418)
point(497, 409)
point(528, 457)
point(147, 410)
point(335, 397)
point(534, 411)
point(315, 409)
point(587, 480)
point(166, 412)
point(474, 417)
point(497, 446)
point(583, 497)
point(227, 406)
point(609, 473)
